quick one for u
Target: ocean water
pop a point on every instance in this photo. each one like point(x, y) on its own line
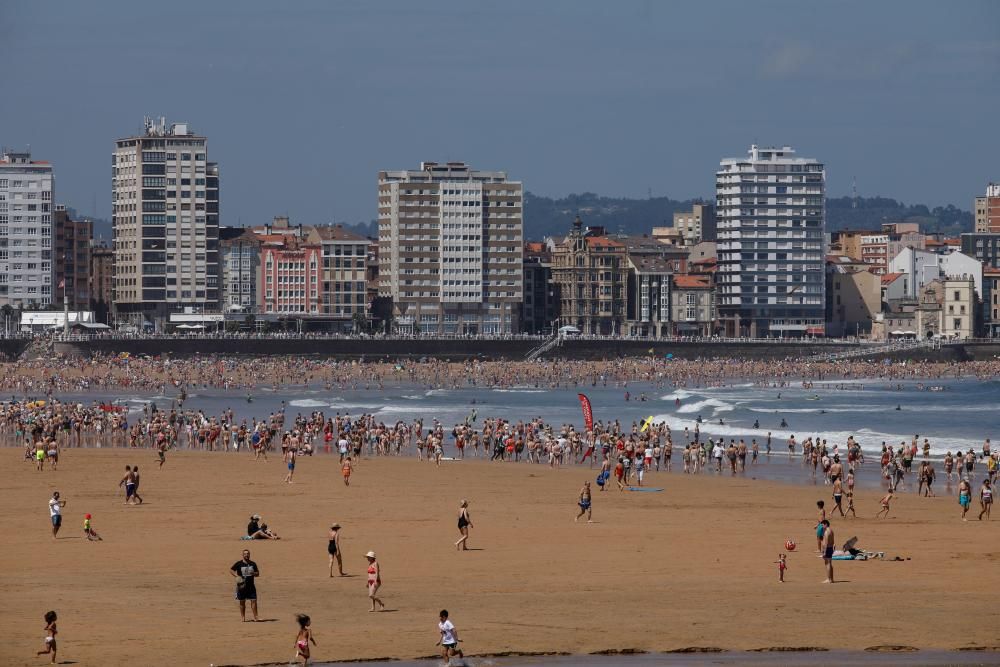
point(959, 416)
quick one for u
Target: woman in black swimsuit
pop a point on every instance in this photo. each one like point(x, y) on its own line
point(464, 523)
point(333, 548)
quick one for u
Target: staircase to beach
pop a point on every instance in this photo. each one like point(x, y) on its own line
point(551, 343)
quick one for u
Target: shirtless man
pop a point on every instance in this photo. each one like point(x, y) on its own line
point(838, 495)
point(828, 551)
point(821, 506)
point(584, 503)
point(836, 469)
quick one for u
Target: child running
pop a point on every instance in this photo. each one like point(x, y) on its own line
point(303, 638)
point(346, 469)
point(449, 639)
point(886, 499)
point(89, 531)
point(50, 636)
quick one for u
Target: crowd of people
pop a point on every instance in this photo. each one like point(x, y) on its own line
point(46, 376)
point(625, 452)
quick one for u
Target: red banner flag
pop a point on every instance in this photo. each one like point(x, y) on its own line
point(588, 413)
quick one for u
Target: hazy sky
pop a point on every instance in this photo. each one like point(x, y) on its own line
point(303, 102)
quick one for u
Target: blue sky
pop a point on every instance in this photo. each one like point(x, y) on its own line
point(303, 102)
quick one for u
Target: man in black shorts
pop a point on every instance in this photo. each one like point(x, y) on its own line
point(828, 551)
point(246, 573)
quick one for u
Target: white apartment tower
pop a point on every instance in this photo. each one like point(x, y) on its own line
point(26, 266)
point(166, 223)
point(450, 249)
point(771, 211)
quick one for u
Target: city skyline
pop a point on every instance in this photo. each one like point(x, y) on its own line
point(587, 101)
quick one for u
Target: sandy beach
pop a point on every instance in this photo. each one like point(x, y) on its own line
point(690, 566)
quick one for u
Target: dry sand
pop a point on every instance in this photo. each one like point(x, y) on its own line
point(692, 566)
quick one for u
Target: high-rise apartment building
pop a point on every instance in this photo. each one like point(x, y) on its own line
point(987, 210)
point(166, 223)
point(26, 267)
point(450, 248)
point(239, 250)
point(770, 212)
point(72, 258)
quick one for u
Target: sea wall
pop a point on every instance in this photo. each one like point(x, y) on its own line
point(12, 348)
point(494, 349)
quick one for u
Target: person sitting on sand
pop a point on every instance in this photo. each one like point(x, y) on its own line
point(257, 530)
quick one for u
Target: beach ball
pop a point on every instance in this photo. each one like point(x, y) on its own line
point(789, 545)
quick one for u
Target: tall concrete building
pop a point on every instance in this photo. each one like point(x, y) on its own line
point(166, 224)
point(770, 212)
point(239, 250)
point(450, 249)
point(26, 267)
point(72, 258)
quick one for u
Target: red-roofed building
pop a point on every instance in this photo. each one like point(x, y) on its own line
point(692, 305)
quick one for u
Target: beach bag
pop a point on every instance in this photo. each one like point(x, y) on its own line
point(602, 478)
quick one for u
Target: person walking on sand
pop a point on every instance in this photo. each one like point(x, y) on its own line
point(128, 481)
point(161, 451)
point(290, 460)
point(374, 581)
point(584, 503)
point(782, 566)
point(828, 551)
point(304, 637)
point(464, 523)
point(333, 548)
point(449, 638)
point(985, 499)
point(838, 496)
point(135, 478)
point(246, 573)
point(55, 512)
point(50, 636)
point(964, 496)
point(886, 499)
point(346, 469)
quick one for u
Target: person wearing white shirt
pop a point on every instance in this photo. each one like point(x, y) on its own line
point(449, 638)
point(55, 512)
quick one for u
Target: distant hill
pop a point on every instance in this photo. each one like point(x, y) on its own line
point(545, 216)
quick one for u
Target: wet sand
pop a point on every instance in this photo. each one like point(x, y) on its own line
point(691, 566)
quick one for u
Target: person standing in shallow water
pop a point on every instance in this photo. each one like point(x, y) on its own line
point(464, 523)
